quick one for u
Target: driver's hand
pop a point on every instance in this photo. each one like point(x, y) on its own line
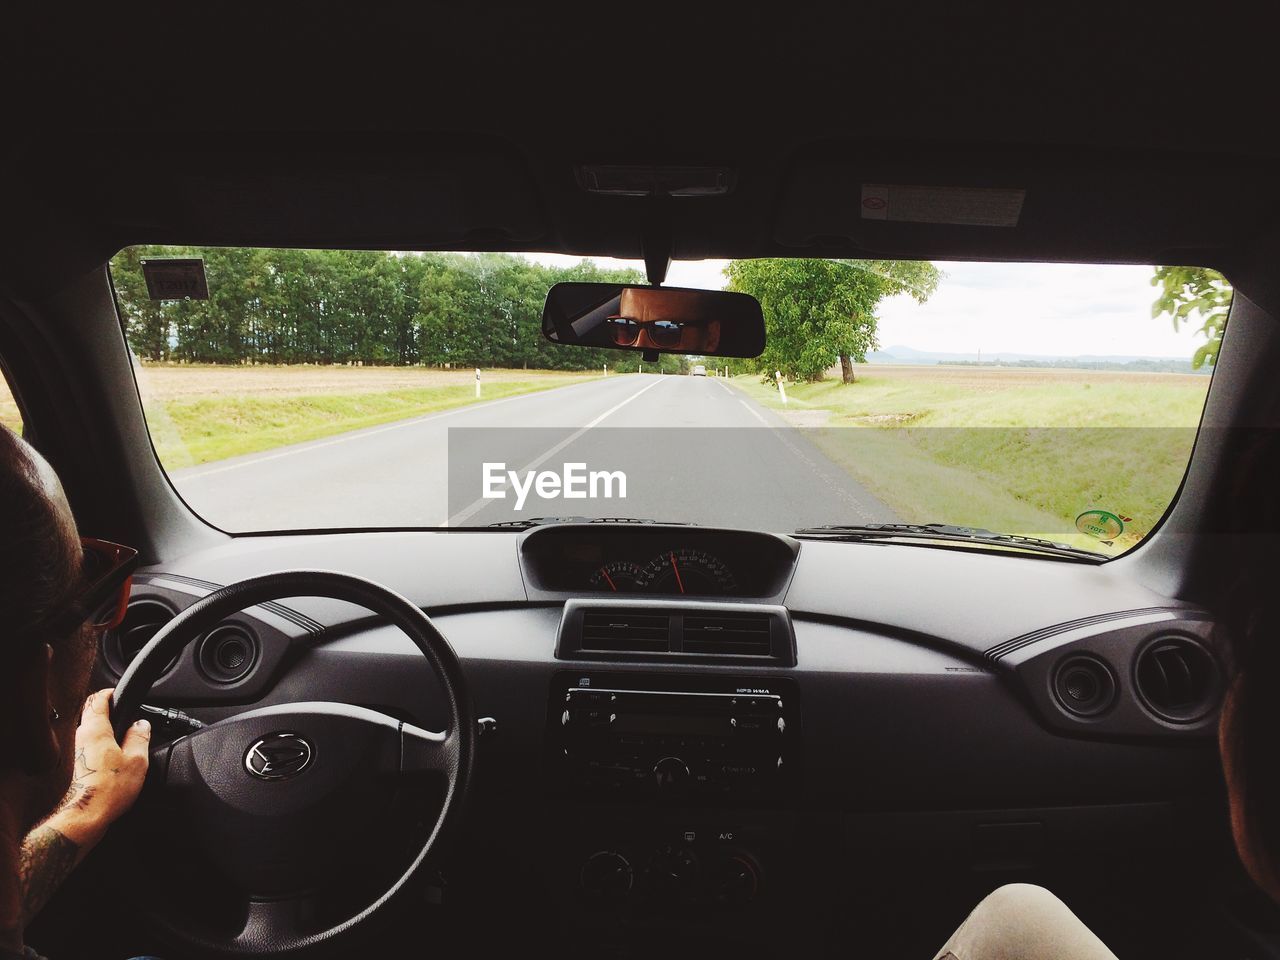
point(107, 777)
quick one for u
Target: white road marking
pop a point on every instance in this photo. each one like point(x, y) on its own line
point(755, 413)
point(459, 518)
point(197, 473)
point(785, 434)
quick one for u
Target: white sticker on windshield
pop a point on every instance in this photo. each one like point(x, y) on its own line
point(964, 206)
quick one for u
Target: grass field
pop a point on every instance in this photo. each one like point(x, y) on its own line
point(202, 413)
point(1019, 451)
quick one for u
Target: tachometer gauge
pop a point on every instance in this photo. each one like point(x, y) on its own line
point(619, 576)
point(689, 571)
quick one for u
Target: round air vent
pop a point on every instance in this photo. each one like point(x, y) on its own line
point(142, 621)
point(227, 654)
point(1177, 679)
point(1084, 686)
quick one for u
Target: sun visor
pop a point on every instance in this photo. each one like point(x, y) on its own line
point(1004, 207)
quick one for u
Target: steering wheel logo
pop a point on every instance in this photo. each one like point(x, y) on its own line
point(279, 756)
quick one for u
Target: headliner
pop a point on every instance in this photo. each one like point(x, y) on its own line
point(1127, 152)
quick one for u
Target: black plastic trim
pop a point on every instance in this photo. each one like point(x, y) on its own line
point(1001, 650)
point(279, 609)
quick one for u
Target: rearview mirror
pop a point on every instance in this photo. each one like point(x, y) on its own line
point(654, 319)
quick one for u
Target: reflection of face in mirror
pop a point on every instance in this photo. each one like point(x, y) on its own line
point(661, 319)
point(654, 318)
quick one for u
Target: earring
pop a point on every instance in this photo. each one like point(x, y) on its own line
point(54, 715)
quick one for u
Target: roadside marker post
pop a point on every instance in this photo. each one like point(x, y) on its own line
point(782, 391)
point(606, 369)
point(477, 383)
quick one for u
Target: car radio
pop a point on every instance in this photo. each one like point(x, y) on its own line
point(631, 737)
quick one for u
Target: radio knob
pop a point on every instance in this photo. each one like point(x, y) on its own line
point(606, 876)
point(670, 772)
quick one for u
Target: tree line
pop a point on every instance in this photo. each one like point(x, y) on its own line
point(467, 310)
point(283, 306)
point(355, 306)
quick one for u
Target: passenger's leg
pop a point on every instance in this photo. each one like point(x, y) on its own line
point(1023, 922)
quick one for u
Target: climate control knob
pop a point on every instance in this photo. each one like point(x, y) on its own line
point(735, 880)
point(606, 877)
point(670, 772)
point(674, 873)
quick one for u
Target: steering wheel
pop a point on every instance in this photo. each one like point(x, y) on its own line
point(267, 791)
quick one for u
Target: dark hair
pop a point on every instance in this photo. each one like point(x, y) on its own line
point(1250, 608)
point(40, 558)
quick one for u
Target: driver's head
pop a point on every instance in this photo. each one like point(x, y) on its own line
point(676, 320)
point(46, 668)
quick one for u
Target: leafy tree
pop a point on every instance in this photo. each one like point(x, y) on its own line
point(1198, 291)
point(147, 322)
point(352, 306)
point(818, 311)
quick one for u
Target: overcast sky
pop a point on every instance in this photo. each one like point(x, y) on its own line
point(1052, 309)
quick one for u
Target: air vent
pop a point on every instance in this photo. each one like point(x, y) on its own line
point(1177, 679)
point(1084, 686)
point(227, 654)
point(676, 632)
point(745, 635)
point(631, 631)
point(142, 621)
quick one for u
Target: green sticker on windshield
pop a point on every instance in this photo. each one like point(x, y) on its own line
point(1100, 524)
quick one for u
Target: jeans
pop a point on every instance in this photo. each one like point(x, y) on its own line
point(1023, 922)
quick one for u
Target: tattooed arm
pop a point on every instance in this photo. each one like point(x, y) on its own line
point(104, 784)
point(46, 858)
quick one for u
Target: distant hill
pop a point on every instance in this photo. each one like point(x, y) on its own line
point(911, 356)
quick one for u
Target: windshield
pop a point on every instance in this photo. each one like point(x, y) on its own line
point(334, 389)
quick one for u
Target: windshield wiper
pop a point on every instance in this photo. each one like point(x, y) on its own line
point(539, 521)
point(945, 532)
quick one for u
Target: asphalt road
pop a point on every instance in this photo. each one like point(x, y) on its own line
point(692, 449)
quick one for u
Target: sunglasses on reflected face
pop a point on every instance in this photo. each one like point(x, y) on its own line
point(664, 333)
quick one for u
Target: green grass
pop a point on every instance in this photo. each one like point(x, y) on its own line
point(1007, 453)
point(190, 432)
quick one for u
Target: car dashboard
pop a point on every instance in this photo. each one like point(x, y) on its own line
point(729, 737)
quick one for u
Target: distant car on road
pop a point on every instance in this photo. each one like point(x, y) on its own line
point(699, 371)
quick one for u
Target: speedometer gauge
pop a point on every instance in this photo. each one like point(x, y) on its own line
point(619, 576)
point(689, 571)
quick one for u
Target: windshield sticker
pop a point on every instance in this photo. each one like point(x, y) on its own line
point(964, 206)
point(1103, 525)
point(175, 278)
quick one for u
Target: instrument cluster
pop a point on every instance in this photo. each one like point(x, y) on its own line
point(675, 571)
point(667, 560)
